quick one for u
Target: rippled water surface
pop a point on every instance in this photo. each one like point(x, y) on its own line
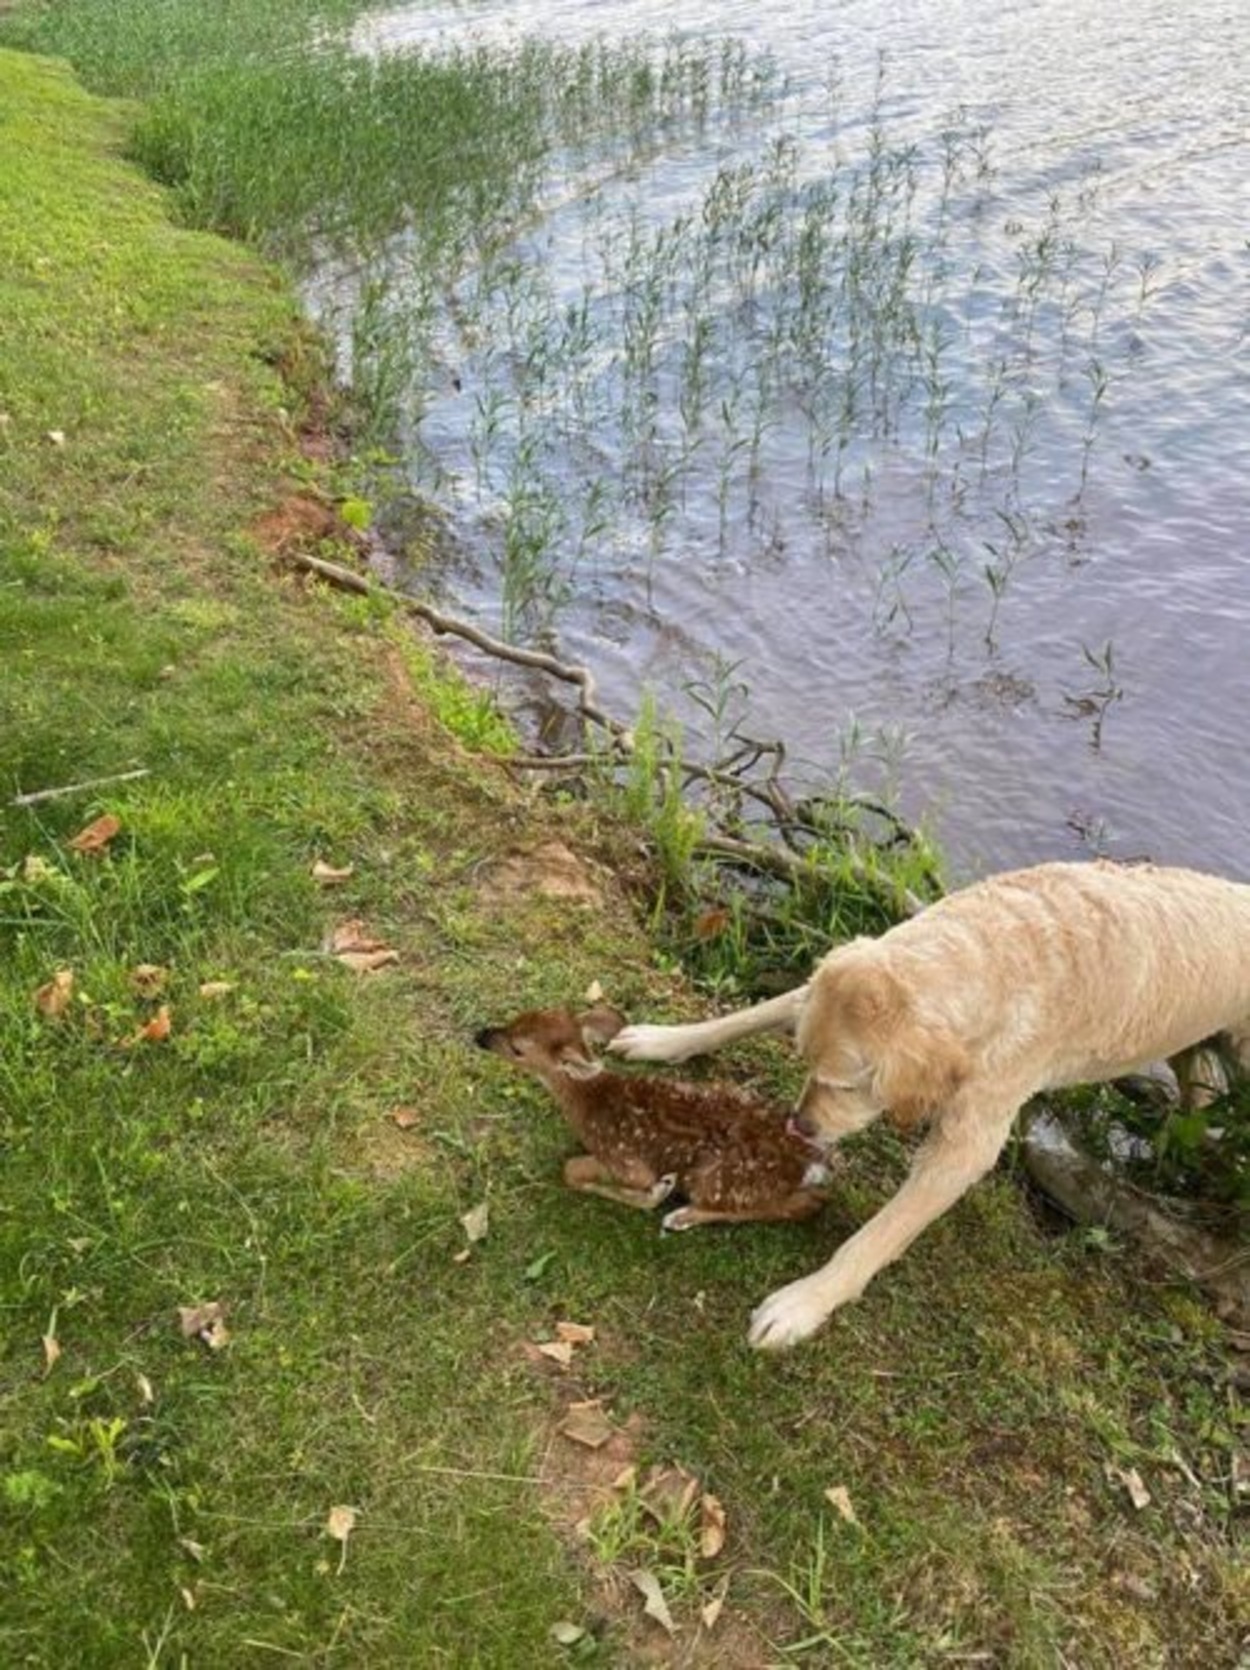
point(912, 394)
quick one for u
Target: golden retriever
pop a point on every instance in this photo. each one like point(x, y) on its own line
point(1058, 975)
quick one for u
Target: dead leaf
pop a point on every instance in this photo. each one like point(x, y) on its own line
point(340, 1524)
point(206, 1323)
point(212, 989)
point(57, 437)
point(463, 1256)
point(148, 979)
point(405, 1118)
point(188, 1598)
point(352, 935)
point(1132, 1481)
point(96, 836)
point(358, 948)
point(576, 1333)
point(327, 876)
point(669, 1493)
point(195, 1549)
point(840, 1497)
point(711, 1526)
point(559, 1350)
point(711, 1612)
point(654, 1604)
point(51, 1351)
point(627, 1478)
point(709, 924)
point(476, 1223)
point(367, 962)
point(53, 999)
point(154, 1032)
point(594, 992)
point(566, 1634)
point(587, 1424)
point(146, 1395)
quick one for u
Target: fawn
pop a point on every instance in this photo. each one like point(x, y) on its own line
point(730, 1155)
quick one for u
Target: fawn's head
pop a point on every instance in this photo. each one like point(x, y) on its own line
point(549, 1042)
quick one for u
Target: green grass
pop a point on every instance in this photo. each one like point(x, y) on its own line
point(971, 1404)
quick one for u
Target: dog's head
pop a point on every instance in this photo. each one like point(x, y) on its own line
point(871, 1050)
point(553, 1041)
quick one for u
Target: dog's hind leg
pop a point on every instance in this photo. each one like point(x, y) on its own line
point(953, 1157)
point(679, 1043)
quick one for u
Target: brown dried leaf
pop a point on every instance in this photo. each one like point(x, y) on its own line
point(576, 1333)
point(587, 1424)
point(711, 1612)
point(212, 989)
point(352, 935)
point(840, 1497)
point(367, 962)
point(54, 999)
point(327, 876)
point(711, 923)
point(154, 1032)
point(669, 1493)
point(405, 1118)
point(340, 1524)
point(559, 1350)
point(1132, 1481)
point(654, 1604)
point(566, 1634)
point(96, 836)
point(206, 1323)
point(476, 1223)
point(711, 1526)
point(148, 979)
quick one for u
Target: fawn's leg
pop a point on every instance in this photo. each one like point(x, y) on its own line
point(590, 1176)
point(803, 1203)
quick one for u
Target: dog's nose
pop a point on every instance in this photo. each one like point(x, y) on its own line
point(797, 1126)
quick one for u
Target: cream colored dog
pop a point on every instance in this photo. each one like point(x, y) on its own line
point(1059, 975)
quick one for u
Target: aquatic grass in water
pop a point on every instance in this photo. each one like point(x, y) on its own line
point(271, 126)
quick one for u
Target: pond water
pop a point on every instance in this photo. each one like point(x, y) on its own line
point(895, 403)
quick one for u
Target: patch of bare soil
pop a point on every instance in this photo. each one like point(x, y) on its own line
point(299, 523)
point(551, 870)
point(583, 1480)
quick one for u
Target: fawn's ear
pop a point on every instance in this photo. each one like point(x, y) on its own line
point(600, 1024)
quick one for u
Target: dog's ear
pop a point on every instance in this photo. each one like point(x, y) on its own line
point(600, 1024)
point(920, 1071)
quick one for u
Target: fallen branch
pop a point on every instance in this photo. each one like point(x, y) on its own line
point(40, 795)
point(446, 625)
point(780, 861)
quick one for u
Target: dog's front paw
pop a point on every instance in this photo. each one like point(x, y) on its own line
point(791, 1314)
point(651, 1043)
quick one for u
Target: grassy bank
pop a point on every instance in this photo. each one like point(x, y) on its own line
point(166, 1503)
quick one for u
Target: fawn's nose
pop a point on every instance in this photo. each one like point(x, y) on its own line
point(484, 1038)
